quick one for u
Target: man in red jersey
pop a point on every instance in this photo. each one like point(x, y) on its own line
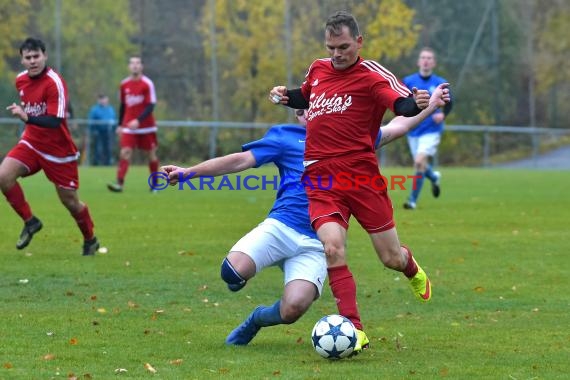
point(347, 97)
point(137, 127)
point(45, 145)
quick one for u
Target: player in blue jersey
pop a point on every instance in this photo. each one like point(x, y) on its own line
point(285, 238)
point(425, 138)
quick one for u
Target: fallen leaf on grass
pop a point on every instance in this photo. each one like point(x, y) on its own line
point(48, 357)
point(7, 365)
point(132, 305)
point(121, 370)
point(276, 373)
point(73, 341)
point(149, 368)
point(176, 361)
point(479, 289)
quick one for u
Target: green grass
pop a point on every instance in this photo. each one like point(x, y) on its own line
point(495, 245)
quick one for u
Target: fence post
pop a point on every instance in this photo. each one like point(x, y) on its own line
point(535, 138)
point(486, 148)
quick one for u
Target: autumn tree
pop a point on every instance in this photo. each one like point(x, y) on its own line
point(252, 38)
point(13, 17)
point(390, 31)
point(95, 46)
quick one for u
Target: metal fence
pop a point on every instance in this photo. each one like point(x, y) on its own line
point(462, 145)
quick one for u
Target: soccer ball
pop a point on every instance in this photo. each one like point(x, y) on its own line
point(334, 337)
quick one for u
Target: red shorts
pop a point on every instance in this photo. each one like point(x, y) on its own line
point(64, 174)
point(146, 141)
point(340, 187)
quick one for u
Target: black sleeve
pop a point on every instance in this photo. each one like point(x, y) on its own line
point(45, 121)
point(296, 99)
point(147, 111)
point(447, 108)
point(406, 107)
point(121, 113)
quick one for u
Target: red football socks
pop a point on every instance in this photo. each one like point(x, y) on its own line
point(85, 223)
point(411, 268)
point(343, 289)
point(153, 166)
point(15, 197)
point(122, 171)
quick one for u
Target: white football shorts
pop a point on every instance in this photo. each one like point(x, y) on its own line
point(426, 144)
point(273, 243)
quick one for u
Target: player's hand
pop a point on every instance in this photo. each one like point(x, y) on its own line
point(440, 97)
point(173, 172)
point(133, 124)
point(18, 111)
point(438, 117)
point(421, 97)
point(278, 95)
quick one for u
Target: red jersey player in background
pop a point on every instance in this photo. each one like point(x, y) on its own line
point(137, 127)
point(45, 145)
point(347, 97)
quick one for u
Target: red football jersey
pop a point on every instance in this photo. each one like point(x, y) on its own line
point(136, 95)
point(346, 107)
point(43, 95)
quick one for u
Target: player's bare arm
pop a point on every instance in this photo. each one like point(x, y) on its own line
point(421, 97)
point(290, 98)
point(232, 163)
point(278, 95)
point(401, 125)
point(44, 121)
point(18, 112)
point(133, 124)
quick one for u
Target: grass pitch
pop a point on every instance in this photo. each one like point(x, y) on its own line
point(495, 246)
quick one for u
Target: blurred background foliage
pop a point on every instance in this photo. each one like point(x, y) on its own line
point(506, 59)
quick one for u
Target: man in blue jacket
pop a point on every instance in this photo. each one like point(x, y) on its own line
point(102, 120)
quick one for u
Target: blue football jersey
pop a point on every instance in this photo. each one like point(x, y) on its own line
point(425, 83)
point(284, 145)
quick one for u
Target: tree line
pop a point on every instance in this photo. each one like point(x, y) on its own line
point(506, 59)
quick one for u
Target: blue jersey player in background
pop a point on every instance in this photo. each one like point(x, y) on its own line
point(285, 238)
point(425, 138)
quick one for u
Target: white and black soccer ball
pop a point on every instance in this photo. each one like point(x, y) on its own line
point(334, 337)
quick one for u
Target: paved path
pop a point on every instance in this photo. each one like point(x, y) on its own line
point(558, 159)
